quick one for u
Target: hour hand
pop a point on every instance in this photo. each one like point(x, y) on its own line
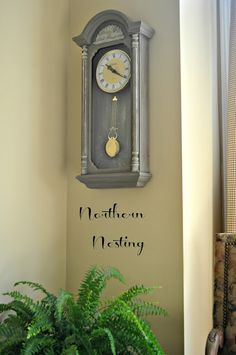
point(117, 73)
point(113, 70)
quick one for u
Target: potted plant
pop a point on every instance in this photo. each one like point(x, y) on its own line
point(70, 324)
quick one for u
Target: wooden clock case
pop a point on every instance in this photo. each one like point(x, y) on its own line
point(130, 168)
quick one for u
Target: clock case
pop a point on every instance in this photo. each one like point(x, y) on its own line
point(130, 168)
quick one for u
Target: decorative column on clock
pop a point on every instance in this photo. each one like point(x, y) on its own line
point(136, 103)
point(84, 125)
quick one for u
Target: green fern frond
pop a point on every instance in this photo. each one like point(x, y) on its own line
point(119, 309)
point(70, 340)
point(13, 321)
point(12, 327)
point(12, 335)
point(64, 325)
point(17, 296)
point(19, 308)
point(152, 340)
point(6, 307)
point(49, 352)
point(108, 333)
point(38, 309)
point(135, 291)
point(72, 350)
point(64, 304)
point(144, 308)
point(94, 283)
point(39, 325)
point(85, 288)
point(91, 289)
point(34, 285)
point(119, 317)
point(86, 344)
point(11, 345)
point(37, 345)
point(49, 304)
point(113, 273)
point(96, 278)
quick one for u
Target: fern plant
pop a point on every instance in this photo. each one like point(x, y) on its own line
point(80, 324)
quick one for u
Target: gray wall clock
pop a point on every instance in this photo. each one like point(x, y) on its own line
point(114, 150)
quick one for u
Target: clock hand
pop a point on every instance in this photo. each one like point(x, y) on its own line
point(113, 70)
point(117, 73)
point(109, 67)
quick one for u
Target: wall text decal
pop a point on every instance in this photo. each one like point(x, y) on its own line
point(112, 213)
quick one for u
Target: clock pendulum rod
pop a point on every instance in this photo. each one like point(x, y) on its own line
point(112, 147)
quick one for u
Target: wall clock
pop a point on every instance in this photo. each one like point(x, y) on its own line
point(114, 149)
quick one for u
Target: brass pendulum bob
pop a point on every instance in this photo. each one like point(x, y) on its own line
point(112, 146)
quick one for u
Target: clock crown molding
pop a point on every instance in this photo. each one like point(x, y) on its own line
point(111, 25)
point(109, 33)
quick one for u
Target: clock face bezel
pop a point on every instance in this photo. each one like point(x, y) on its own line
point(98, 73)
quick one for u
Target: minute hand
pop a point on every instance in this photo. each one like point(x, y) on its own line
point(113, 70)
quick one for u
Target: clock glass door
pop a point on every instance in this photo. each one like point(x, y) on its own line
point(111, 109)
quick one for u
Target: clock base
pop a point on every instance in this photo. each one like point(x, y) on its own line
point(114, 180)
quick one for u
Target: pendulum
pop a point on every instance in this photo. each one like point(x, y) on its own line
point(112, 147)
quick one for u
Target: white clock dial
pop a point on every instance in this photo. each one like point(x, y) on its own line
point(113, 71)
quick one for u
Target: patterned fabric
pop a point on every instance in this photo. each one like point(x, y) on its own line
point(225, 244)
point(225, 289)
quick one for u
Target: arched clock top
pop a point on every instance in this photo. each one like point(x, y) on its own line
point(111, 25)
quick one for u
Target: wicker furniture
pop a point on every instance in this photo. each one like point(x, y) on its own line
point(222, 338)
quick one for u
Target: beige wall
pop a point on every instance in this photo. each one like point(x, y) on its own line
point(33, 38)
point(160, 200)
point(35, 219)
point(201, 171)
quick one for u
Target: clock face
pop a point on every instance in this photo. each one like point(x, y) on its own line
point(113, 71)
